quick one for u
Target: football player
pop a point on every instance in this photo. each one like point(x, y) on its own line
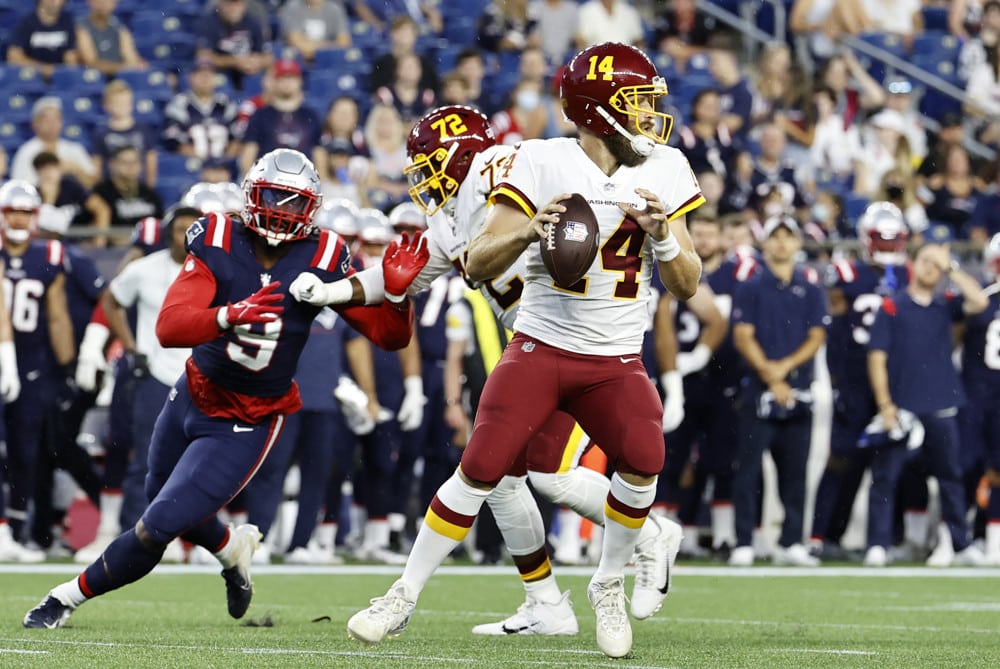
point(576, 348)
point(223, 416)
point(981, 378)
point(455, 165)
point(35, 285)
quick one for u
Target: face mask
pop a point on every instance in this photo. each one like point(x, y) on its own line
point(894, 192)
point(820, 212)
point(528, 100)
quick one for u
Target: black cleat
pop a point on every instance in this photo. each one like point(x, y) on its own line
point(49, 614)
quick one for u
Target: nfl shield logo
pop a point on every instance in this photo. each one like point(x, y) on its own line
point(575, 231)
point(528, 346)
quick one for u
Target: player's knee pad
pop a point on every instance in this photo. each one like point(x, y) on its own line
point(557, 487)
point(517, 515)
point(146, 536)
point(580, 489)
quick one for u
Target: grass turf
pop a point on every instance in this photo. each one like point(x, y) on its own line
point(712, 619)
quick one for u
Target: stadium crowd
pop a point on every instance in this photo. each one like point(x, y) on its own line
point(127, 118)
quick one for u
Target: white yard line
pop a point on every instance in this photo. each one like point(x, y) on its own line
point(19, 651)
point(822, 651)
point(794, 623)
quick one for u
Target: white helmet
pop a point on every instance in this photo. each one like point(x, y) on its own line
point(281, 194)
point(341, 216)
point(991, 257)
point(206, 198)
point(407, 216)
point(374, 228)
point(883, 234)
point(231, 195)
point(19, 195)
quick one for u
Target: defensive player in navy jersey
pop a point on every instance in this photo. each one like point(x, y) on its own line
point(225, 413)
point(35, 285)
point(911, 374)
point(855, 290)
point(981, 377)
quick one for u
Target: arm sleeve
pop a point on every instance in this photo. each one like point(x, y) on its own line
point(186, 319)
point(387, 325)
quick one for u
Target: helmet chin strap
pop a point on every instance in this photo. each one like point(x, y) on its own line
point(640, 143)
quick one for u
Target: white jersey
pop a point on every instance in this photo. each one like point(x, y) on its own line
point(144, 283)
point(453, 227)
point(606, 313)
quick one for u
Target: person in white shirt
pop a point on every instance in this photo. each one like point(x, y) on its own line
point(608, 21)
point(47, 121)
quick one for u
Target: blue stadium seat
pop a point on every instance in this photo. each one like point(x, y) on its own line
point(363, 36)
point(936, 44)
point(170, 190)
point(854, 206)
point(891, 43)
point(78, 132)
point(25, 80)
point(149, 111)
point(445, 57)
point(16, 109)
point(79, 80)
point(176, 166)
point(342, 61)
point(461, 30)
point(155, 26)
point(81, 108)
point(12, 135)
point(147, 83)
point(935, 18)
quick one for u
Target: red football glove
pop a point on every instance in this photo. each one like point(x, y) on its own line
point(260, 307)
point(402, 263)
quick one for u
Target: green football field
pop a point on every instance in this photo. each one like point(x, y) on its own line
point(715, 617)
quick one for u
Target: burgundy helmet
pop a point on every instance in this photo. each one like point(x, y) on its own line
point(441, 147)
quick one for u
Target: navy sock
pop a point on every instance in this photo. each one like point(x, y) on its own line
point(125, 561)
point(211, 534)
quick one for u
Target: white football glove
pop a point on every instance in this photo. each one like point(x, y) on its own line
point(411, 411)
point(91, 360)
point(673, 403)
point(309, 288)
point(10, 382)
point(695, 361)
point(354, 405)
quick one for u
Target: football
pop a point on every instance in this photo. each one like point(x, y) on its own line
point(571, 245)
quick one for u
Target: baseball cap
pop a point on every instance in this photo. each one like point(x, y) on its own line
point(287, 68)
point(899, 86)
point(782, 221)
point(46, 102)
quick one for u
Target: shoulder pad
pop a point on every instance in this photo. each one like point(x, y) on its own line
point(331, 253)
point(213, 230)
point(745, 268)
point(55, 253)
point(845, 271)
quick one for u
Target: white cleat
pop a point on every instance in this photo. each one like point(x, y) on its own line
point(536, 618)
point(95, 548)
point(742, 556)
point(943, 556)
point(654, 565)
point(614, 632)
point(971, 556)
point(12, 551)
point(876, 557)
point(243, 542)
point(795, 555)
point(387, 617)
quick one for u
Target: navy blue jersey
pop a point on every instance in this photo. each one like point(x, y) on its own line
point(45, 43)
point(431, 306)
point(26, 284)
point(981, 351)
point(738, 100)
point(208, 128)
point(781, 179)
point(104, 141)
point(726, 365)
point(712, 154)
point(782, 315)
point(84, 284)
point(127, 209)
point(322, 361)
point(147, 235)
point(917, 342)
point(271, 129)
point(238, 39)
point(864, 287)
point(259, 360)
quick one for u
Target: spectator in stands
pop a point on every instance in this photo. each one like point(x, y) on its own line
point(402, 42)
point(385, 137)
point(44, 38)
point(826, 222)
point(104, 43)
point(199, 122)
point(899, 188)
point(121, 129)
point(608, 21)
point(234, 40)
point(532, 65)
point(739, 188)
point(343, 122)
point(984, 91)
point(507, 25)
point(952, 131)
point(455, 90)
point(65, 198)
point(557, 24)
point(954, 192)
point(772, 171)
point(4, 163)
point(309, 25)
point(779, 88)
point(405, 93)
point(524, 118)
point(248, 106)
point(682, 32)
point(902, 18)
point(883, 146)
point(284, 122)
point(855, 89)
point(342, 140)
point(822, 22)
point(834, 145)
point(424, 13)
point(706, 141)
point(216, 171)
point(735, 98)
point(47, 122)
point(128, 197)
point(899, 96)
point(975, 49)
point(472, 67)
point(966, 18)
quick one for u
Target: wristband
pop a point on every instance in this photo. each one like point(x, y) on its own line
point(665, 249)
point(395, 299)
point(372, 284)
point(338, 292)
point(8, 357)
point(221, 318)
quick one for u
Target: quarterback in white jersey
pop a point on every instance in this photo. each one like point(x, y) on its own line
point(609, 91)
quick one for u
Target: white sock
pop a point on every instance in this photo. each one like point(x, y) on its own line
point(326, 535)
point(111, 511)
point(993, 538)
point(397, 522)
point(915, 528)
point(517, 515)
point(622, 525)
point(544, 590)
point(69, 593)
point(580, 489)
point(438, 536)
point(376, 534)
point(569, 536)
point(723, 525)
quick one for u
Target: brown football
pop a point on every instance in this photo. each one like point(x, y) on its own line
point(571, 246)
